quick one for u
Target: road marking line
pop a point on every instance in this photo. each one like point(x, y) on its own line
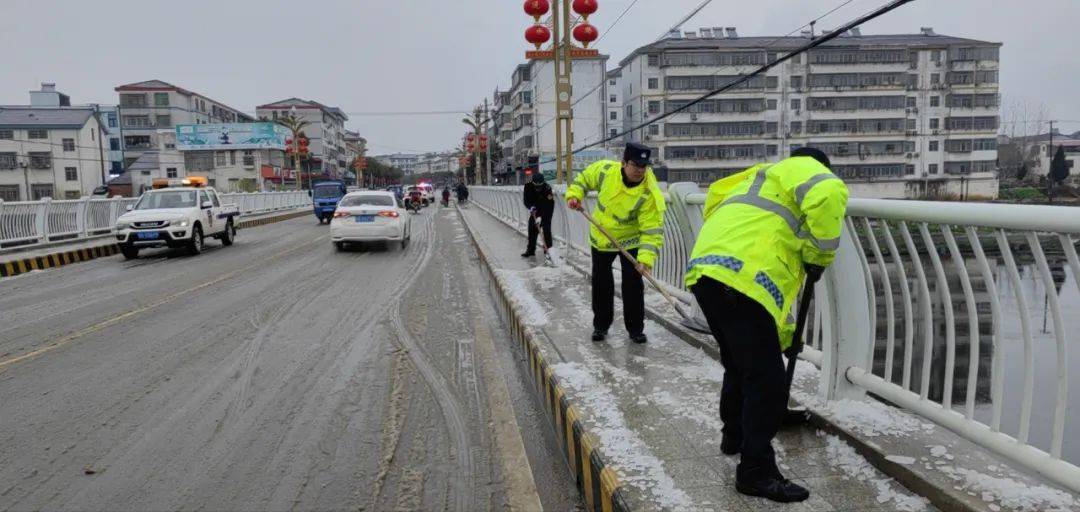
point(64, 340)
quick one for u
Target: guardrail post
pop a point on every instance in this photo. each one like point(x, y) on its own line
point(114, 212)
point(846, 336)
point(41, 220)
point(80, 217)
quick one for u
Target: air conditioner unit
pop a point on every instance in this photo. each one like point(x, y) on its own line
point(693, 117)
point(935, 132)
point(909, 155)
point(911, 133)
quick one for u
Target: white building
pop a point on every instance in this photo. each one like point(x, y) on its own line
point(1071, 148)
point(325, 131)
point(146, 107)
point(531, 108)
point(404, 161)
point(437, 163)
point(899, 115)
point(54, 152)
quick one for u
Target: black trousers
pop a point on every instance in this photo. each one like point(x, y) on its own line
point(603, 292)
point(545, 221)
point(753, 398)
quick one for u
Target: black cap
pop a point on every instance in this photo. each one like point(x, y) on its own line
point(814, 153)
point(637, 153)
point(538, 177)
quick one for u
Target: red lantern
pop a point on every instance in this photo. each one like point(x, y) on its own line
point(288, 141)
point(585, 7)
point(585, 34)
point(470, 137)
point(288, 149)
point(537, 35)
point(303, 142)
point(536, 8)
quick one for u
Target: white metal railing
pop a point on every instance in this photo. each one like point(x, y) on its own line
point(33, 223)
point(913, 282)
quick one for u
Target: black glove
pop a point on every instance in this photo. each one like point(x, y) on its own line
point(813, 273)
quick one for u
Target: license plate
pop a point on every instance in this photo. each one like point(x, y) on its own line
point(365, 218)
point(147, 236)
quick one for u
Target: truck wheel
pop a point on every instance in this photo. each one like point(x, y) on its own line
point(229, 235)
point(195, 246)
point(129, 253)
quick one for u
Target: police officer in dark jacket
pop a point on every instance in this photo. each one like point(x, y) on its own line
point(540, 200)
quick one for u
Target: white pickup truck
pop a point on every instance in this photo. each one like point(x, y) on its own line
point(179, 213)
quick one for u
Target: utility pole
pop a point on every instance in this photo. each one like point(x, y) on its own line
point(487, 147)
point(564, 130)
point(1049, 172)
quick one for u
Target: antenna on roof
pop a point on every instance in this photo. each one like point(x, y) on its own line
point(675, 28)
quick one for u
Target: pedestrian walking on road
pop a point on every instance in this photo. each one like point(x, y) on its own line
point(540, 200)
point(766, 231)
point(630, 206)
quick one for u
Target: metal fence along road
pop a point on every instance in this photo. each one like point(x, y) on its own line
point(911, 300)
point(33, 223)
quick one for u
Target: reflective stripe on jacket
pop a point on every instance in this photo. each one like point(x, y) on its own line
point(762, 225)
point(633, 215)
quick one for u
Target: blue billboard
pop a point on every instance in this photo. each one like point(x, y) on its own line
point(231, 136)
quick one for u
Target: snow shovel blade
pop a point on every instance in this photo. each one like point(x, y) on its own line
point(694, 325)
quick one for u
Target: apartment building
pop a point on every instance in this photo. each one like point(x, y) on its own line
point(146, 107)
point(529, 104)
point(325, 131)
point(407, 162)
point(901, 116)
point(46, 151)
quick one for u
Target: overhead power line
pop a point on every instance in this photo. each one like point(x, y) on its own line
point(814, 43)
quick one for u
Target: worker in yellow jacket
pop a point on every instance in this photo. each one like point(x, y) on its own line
point(766, 229)
point(631, 207)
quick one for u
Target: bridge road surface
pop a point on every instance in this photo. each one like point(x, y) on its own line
point(277, 374)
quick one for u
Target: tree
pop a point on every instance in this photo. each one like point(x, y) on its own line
point(296, 126)
point(1059, 170)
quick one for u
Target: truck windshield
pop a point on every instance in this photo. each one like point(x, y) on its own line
point(167, 199)
point(328, 191)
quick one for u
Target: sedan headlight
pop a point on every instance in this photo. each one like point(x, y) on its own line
point(122, 226)
point(182, 224)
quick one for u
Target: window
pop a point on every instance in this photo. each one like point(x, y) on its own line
point(654, 83)
point(164, 120)
point(111, 119)
point(92, 135)
point(137, 141)
point(170, 172)
point(613, 115)
point(613, 99)
point(40, 160)
point(613, 132)
point(249, 158)
point(9, 192)
point(770, 105)
point(161, 99)
point(859, 80)
point(796, 104)
point(654, 59)
point(214, 197)
point(71, 174)
point(910, 125)
point(714, 58)
point(7, 160)
point(220, 159)
point(7, 134)
point(796, 127)
point(935, 78)
point(526, 96)
point(935, 56)
point(933, 168)
point(654, 107)
point(232, 157)
point(971, 100)
point(37, 134)
point(933, 146)
point(935, 101)
point(984, 144)
point(41, 191)
point(770, 150)
point(137, 121)
point(611, 82)
point(133, 100)
point(654, 129)
point(911, 102)
point(69, 144)
point(796, 82)
point(858, 56)
point(199, 160)
point(934, 123)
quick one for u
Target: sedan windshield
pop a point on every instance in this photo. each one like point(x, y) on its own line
point(167, 199)
point(367, 200)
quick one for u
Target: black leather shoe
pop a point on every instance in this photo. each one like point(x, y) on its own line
point(729, 445)
point(598, 335)
point(639, 338)
point(528, 254)
point(775, 488)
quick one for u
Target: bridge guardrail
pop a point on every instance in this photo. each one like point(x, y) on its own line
point(904, 252)
point(26, 224)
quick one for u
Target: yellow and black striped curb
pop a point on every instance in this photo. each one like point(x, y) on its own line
point(56, 259)
point(59, 259)
point(596, 479)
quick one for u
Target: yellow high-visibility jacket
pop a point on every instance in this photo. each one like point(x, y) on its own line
point(633, 215)
point(762, 225)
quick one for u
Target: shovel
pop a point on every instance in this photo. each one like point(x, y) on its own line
point(549, 259)
point(797, 416)
point(687, 320)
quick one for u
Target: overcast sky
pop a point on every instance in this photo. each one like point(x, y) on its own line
point(426, 55)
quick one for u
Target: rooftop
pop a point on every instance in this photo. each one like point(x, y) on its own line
point(44, 117)
point(302, 103)
point(161, 85)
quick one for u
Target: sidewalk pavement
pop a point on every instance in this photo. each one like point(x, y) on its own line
point(653, 413)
